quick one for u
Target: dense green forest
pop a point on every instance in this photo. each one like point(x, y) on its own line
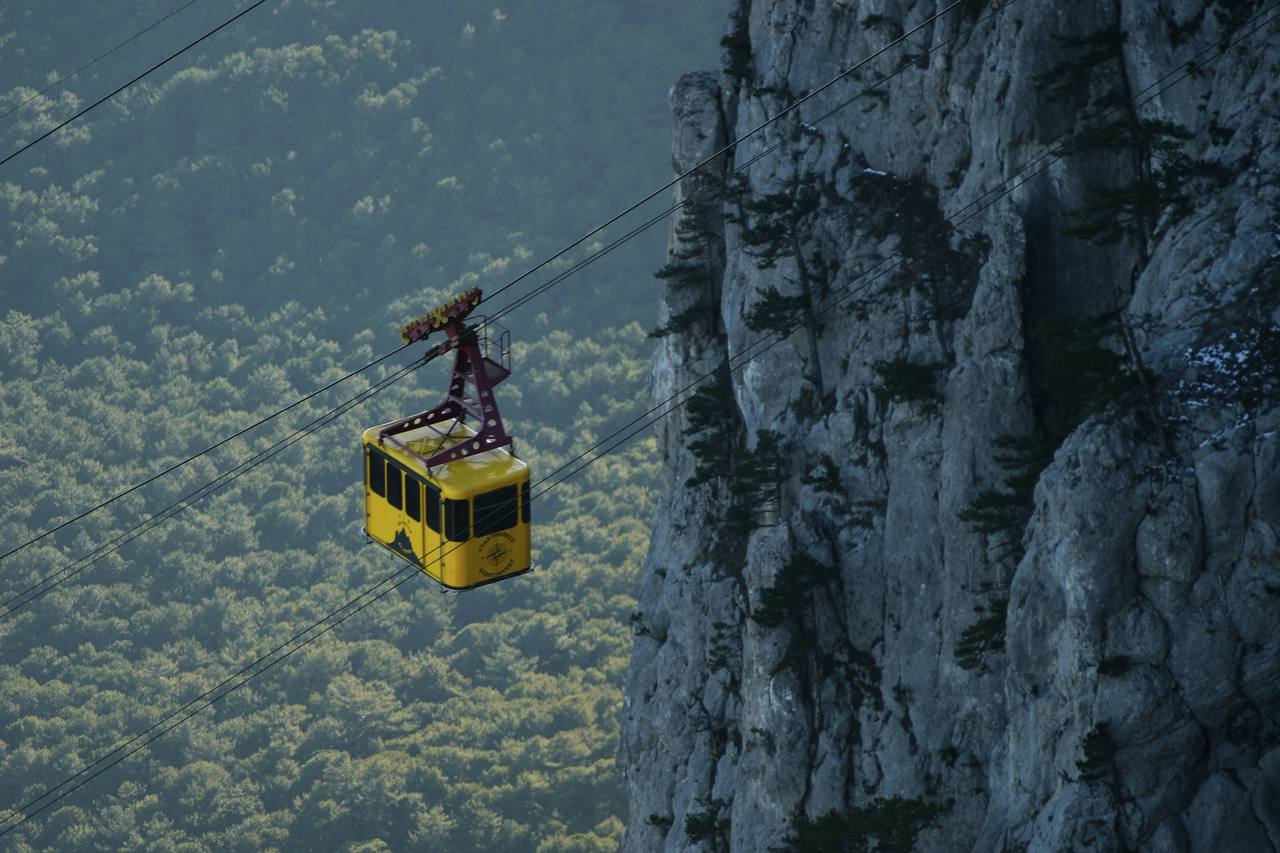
point(251, 222)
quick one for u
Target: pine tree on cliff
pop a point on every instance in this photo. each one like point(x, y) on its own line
point(771, 228)
point(690, 271)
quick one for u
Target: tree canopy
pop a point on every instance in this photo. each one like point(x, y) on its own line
point(217, 242)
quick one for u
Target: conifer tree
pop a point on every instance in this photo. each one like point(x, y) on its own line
point(713, 428)
point(691, 272)
point(772, 225)
point(1165, 178)
point(756, 481)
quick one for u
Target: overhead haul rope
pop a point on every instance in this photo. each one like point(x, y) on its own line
point(50, 582)
point(730, 146)
point(1004, 188)
point(239, 678)
point(178, 716)
point(120, 89)
point(713, 184)
point(148, 28)
point(577, 267)
point(303, 638)
point(194, 457)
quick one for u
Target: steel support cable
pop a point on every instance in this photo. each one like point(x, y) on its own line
point(249, 672)
point(195, 456)
point(148, 28)
point(231, 683)
point(758, 341)
point(587, 261)
point(716, 183)
point(562, 276)
point(120, 89)
point(729, 147)
point(50, 582)
point(1002, 189)
point(76, 567)
point(178, 716)
point(236, 680)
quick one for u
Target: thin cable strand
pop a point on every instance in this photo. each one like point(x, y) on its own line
point(1001, 190)
point(128, 748)
point(148, 28)
point(720, 181)
point(41, 808)
point(549, 259)
point(194, 457)
point(42, 137)
point(69, 571)
point(729, 147)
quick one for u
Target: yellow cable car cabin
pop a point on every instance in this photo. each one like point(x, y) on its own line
point(450, 498)
point(464, 524)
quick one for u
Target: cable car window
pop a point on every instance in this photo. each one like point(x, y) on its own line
point(377, 474)
point(394, 485)
point(412, 498)
point(457, 520)
point(433, 508)
point(496, 511)
point(524, 502)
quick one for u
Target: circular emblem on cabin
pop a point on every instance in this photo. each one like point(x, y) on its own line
point(497, 554)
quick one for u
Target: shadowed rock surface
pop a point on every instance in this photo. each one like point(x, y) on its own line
point(1021, 564)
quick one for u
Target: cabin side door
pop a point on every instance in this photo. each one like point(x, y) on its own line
point(383, 501)
point(432, 528)
point(394, 507)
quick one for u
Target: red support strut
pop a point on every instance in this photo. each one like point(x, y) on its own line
point(470, 365)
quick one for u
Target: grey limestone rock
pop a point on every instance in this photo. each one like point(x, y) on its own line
point(1099, 667)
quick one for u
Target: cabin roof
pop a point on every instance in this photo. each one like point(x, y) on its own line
point(478, 473)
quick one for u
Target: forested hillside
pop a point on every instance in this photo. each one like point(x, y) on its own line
point(244, 226)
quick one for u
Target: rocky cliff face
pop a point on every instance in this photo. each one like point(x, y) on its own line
point(984, 554)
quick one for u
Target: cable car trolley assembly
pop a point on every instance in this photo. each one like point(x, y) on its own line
point(444, 489)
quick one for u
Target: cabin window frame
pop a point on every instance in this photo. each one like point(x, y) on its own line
point(504, 510)
point(452, 531)
point(398, 500)
point(525, 513)
point(413, 486)
point(432, 508)
point(372, 456)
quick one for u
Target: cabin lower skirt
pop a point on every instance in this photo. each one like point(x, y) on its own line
point(417, 564)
